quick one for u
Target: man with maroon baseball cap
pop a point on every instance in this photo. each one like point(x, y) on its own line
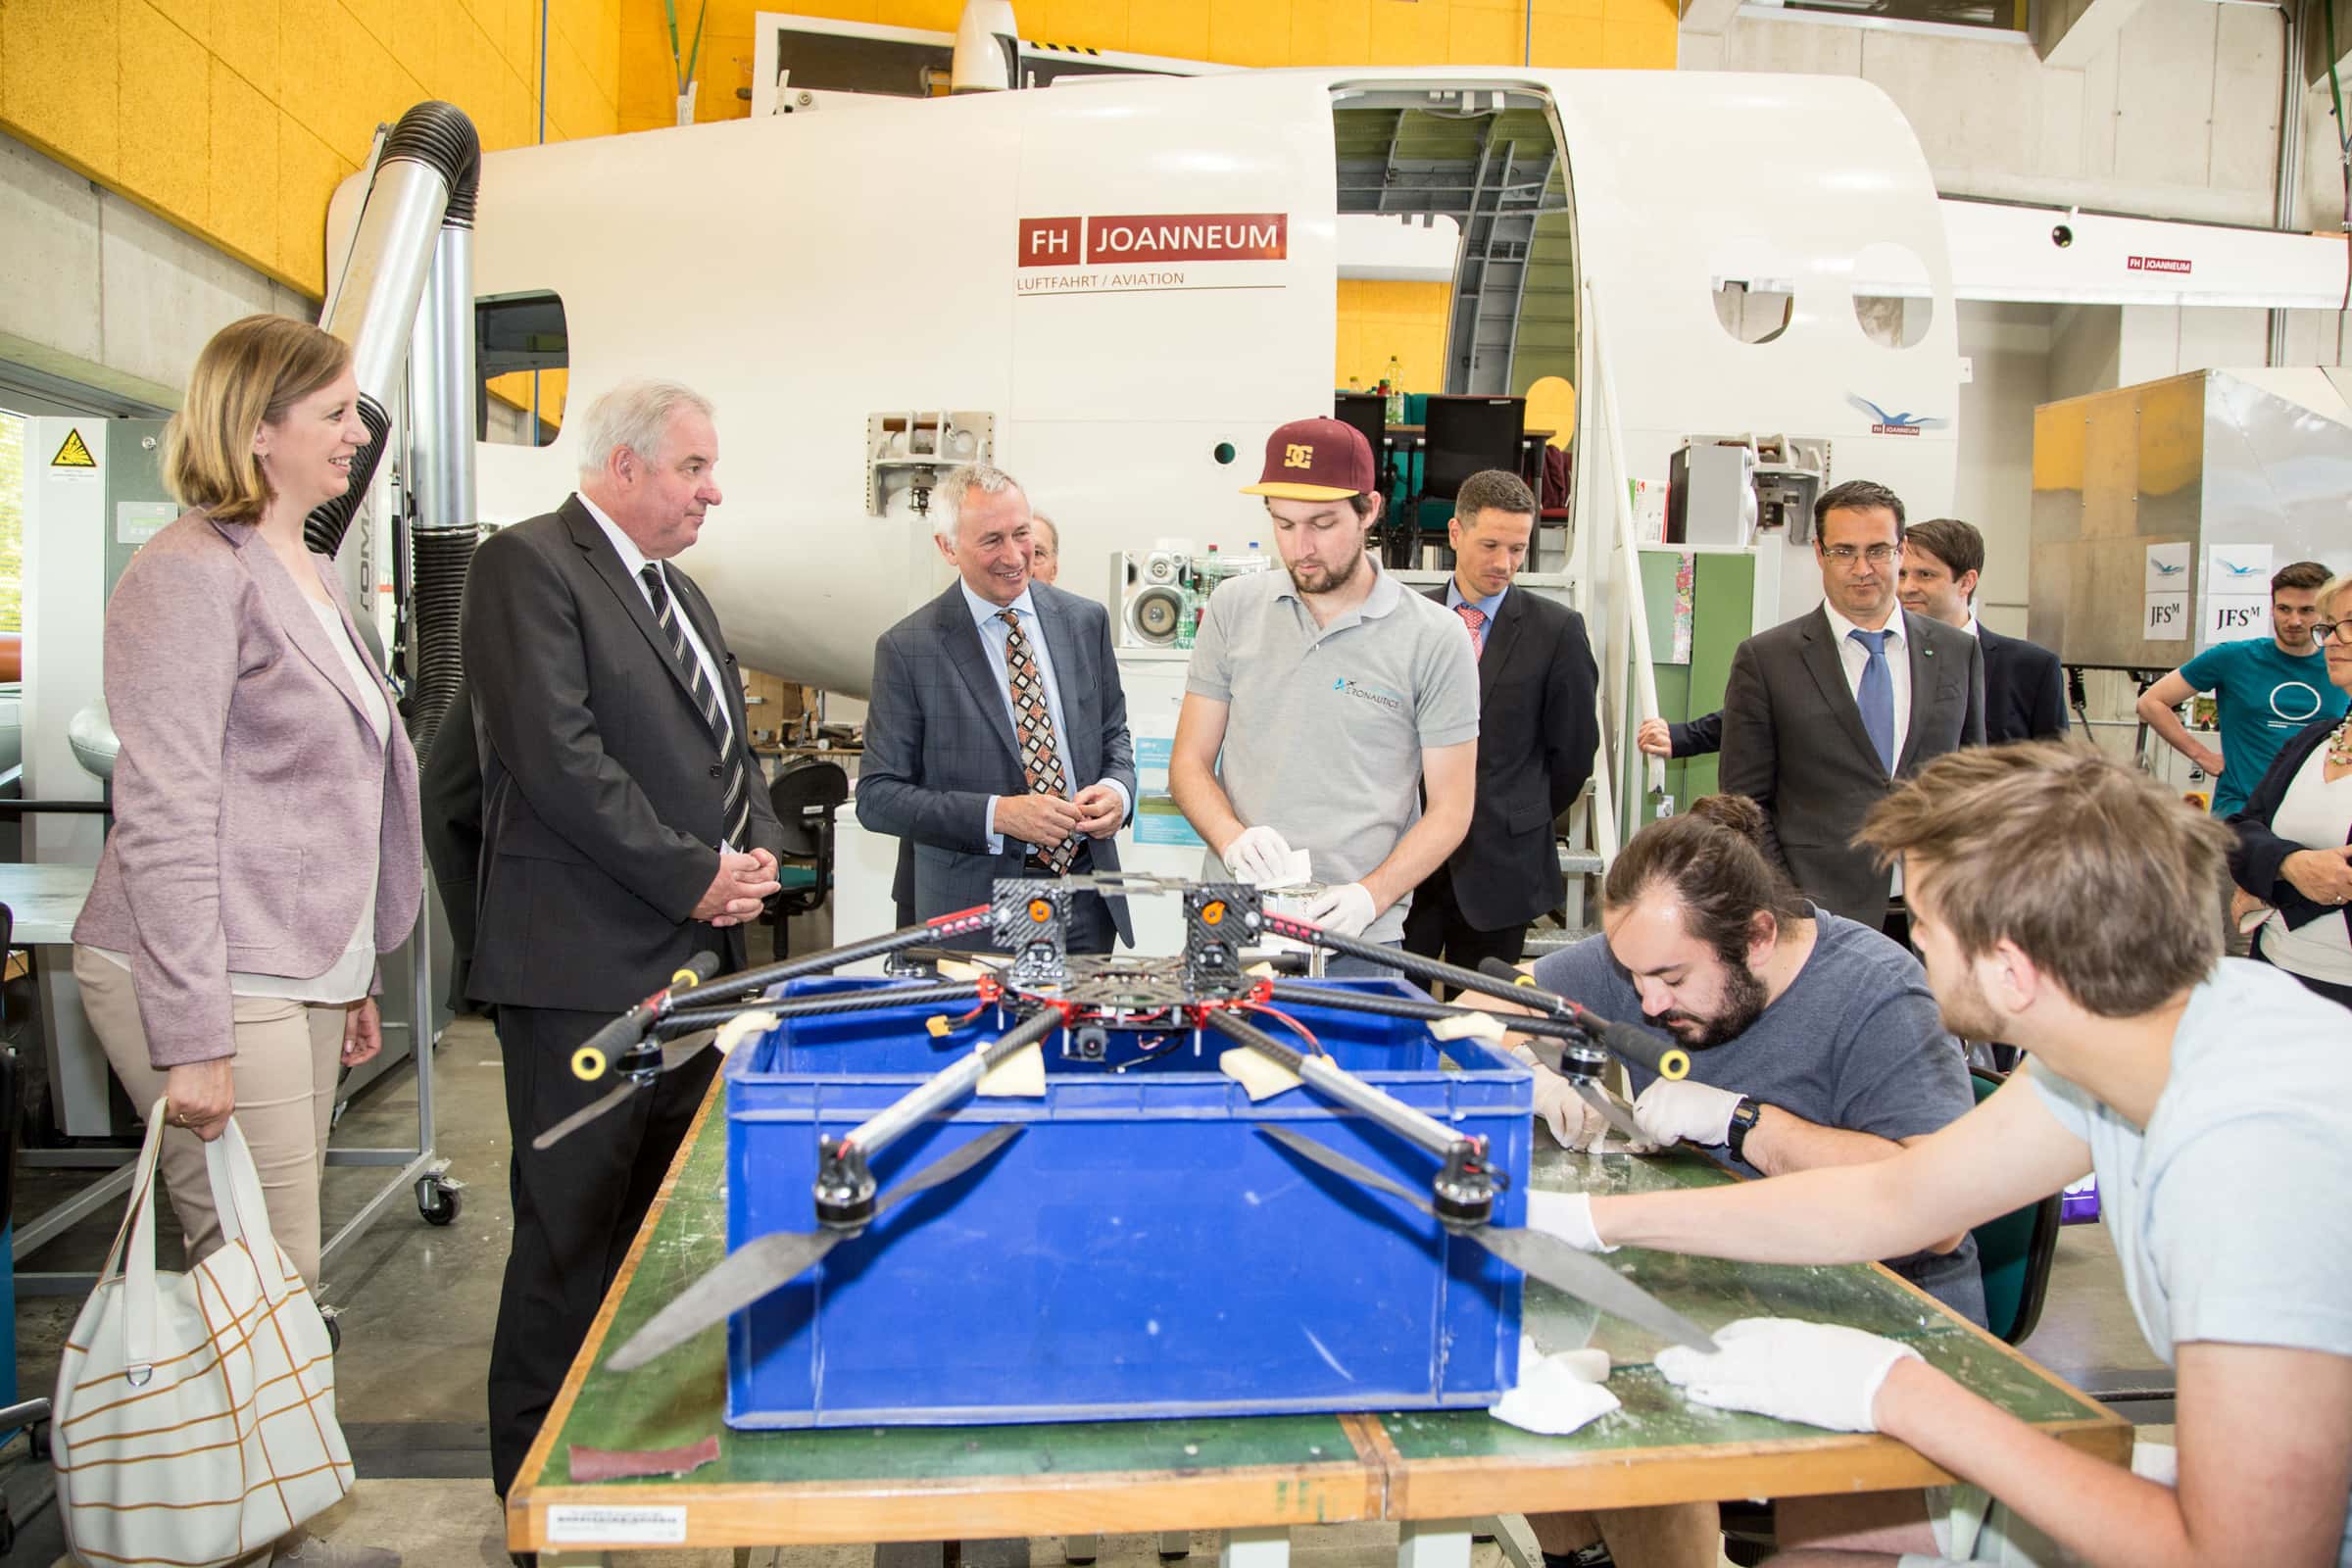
point(1324, 700)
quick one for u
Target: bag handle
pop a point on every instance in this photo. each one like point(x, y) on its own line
point(243, 1211)
point(138, 1235)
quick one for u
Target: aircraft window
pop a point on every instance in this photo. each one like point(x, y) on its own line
point(521, 358)
point(1894, 300)
point(1755, 290)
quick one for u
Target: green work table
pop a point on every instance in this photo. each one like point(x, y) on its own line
point(1251, 1477)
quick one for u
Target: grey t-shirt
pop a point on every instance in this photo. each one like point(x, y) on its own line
point(2228, 1210)
point(1327, 725)
point(1856, 1042)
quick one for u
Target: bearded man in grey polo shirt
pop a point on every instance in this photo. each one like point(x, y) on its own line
point(1324, 700)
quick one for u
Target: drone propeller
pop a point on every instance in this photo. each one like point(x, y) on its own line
point(752, 1271)
point(1535, 1253)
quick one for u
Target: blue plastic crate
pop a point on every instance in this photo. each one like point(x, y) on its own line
point(1138, 1251)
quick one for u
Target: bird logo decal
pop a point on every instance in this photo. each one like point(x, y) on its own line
point(1884, 423)
point(2232, 572)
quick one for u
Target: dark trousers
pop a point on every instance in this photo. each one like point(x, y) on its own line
point(578, 1208)
point(1435, 928)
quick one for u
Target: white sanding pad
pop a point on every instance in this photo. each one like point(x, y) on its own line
point(743, 1026)
point(1470, 1026)
point(1021, 1075)
point(1260, 1076)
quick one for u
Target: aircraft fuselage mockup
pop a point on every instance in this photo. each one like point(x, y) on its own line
point(1125, 286)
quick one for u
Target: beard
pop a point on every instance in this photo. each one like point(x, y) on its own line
point(1966, 1011)
point(1743, 1002)
point(1327, 577)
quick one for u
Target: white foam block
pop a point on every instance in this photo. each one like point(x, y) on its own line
point(1469, 1026)
point(1260, 1076)
point(743, 1026)
point(1019, 1076)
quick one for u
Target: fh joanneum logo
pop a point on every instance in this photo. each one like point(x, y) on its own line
point(1155, 237)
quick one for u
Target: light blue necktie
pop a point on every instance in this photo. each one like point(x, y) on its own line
point(1877, 697)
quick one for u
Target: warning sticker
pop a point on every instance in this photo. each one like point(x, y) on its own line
point(75, 453)
point(614, 1526)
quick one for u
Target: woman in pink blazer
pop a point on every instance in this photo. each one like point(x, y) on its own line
point(265, 845)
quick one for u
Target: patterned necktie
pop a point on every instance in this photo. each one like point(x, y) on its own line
point(1877, 696)
point(1476, 619)
point(1033, 720)
point(737, 806)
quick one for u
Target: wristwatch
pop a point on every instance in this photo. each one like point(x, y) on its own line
point(1743, 1120)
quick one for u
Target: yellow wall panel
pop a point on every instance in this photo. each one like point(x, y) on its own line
point(939, 16)
point(1330, 32)
point(243, 205)
point(1089, 24)
point(58, 84)
point(310, 41)
point(1178, 28)
point(1637, 43)
point(830, 10)
point(167, 122)
point(244, 37)
point(647, 80)
point(308, 172)
point(379, 19)
point(1483, 36)
point(1250, 32)
point(518, 36)
point(1569, 42)
point(1408, 33)
point(191, 17)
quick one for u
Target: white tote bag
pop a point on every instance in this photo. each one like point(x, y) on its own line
point(195, 1413)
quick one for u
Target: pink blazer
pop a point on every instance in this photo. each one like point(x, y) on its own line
point(247, 774)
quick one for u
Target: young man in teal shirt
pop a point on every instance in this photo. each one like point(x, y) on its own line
point(2266, 689)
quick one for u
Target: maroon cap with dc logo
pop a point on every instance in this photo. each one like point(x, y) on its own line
point(1316, 459)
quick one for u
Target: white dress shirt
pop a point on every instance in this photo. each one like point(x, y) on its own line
point(634, 562)
point(1856, 659)
point(994, 635)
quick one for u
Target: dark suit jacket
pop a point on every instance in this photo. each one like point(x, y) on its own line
point(2255, 861)
point(450, 790)
point(2025, 690)
point(1793, 742)
point(1537, 731)
point(1702, 736)
point(602, 793)
point(939, 742)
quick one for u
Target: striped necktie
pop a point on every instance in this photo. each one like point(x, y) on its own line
point(737, 806)
point(1041, 754)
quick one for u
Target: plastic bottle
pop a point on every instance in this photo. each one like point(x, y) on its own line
point(1393, 385)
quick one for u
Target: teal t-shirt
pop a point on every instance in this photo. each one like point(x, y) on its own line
point(2264, 696)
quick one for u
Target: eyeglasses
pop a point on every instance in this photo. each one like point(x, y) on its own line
point(1875, 555)
point(2322, 630)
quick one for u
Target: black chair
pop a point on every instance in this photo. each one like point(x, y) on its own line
point(805, 795)
point(1462, 435)
point(1368, 412)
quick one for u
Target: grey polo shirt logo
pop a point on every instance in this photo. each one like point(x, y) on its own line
point(1394, 702)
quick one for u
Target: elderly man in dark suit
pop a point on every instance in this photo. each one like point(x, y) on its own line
point(626, 829)
point(1822, 713)
point(1537, 732)
point(2025, 690)
point(996, 736)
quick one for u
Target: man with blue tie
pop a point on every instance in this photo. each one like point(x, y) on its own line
point(1822, 713)
point(996, 736)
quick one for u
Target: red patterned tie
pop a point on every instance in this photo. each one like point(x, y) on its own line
point(1033, 720)
point(1476, 619)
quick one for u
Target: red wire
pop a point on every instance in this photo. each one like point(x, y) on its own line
point(1302, 1031)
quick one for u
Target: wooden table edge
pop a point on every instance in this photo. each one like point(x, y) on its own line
point(534, 1462)
point(970, 1507)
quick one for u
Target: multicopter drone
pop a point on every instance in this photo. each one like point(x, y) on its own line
point(1099, 1003)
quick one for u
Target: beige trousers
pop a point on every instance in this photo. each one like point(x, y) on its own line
point(288, 1054)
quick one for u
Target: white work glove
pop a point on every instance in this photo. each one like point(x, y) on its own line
point(1821, 1374)
point(1568, 1216)
point(1344, 911)
point(1258, 854)
point(1685, 1111)
point(1559, 1107)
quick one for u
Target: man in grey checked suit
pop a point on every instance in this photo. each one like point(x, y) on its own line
point(996, 736)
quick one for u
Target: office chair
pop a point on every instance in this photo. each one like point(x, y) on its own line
point(805, 795)
point(1461, 436)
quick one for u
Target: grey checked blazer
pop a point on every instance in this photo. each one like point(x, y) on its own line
point(939, 742)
